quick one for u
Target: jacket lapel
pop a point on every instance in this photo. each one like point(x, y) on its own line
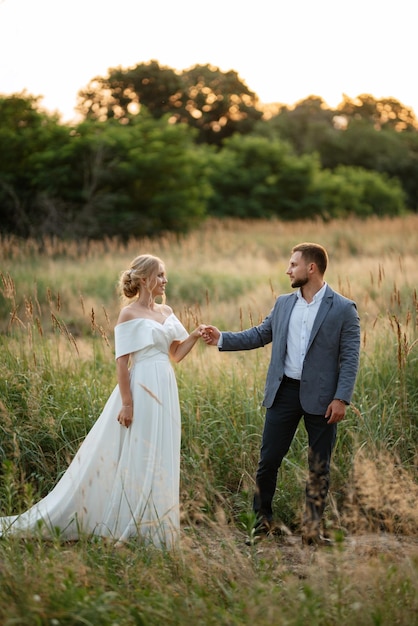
point(282, 321)
point(288, 308)
point(322, 313)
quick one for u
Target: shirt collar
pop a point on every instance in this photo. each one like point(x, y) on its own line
point(317, 297)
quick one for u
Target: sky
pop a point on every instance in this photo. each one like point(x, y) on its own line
point(284, 51)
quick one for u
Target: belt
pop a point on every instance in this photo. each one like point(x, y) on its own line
point(291, 381)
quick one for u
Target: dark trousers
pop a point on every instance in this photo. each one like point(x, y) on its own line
point(280, 425)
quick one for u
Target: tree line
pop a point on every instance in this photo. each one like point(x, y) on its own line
point(159, 150)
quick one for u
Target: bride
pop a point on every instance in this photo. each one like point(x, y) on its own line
point(124, 480)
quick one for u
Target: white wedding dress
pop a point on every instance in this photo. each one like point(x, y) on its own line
point(123, 482)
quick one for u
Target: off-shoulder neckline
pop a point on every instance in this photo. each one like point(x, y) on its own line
point(148, 319)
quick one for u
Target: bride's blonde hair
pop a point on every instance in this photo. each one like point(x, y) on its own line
point(144, 266)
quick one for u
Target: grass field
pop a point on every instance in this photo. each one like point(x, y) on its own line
point(58, 305)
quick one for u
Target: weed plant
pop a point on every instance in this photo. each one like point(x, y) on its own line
point(58, 305)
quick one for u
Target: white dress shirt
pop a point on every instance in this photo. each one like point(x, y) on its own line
point(300, 328)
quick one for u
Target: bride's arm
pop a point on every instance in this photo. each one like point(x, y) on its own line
point(126, 413)
point(179, 349)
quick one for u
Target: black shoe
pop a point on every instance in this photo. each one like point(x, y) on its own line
point(317, 541)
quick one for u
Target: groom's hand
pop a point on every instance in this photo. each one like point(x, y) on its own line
point(211, 335)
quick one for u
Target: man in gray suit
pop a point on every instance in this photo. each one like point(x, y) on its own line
point(315, 336)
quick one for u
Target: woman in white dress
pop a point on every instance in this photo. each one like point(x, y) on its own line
point(124, 480)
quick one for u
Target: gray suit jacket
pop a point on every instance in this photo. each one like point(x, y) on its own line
point(332, 357)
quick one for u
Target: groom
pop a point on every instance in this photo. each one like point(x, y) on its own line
point(315, 336)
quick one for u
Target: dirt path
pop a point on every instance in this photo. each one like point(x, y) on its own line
point(287, 551)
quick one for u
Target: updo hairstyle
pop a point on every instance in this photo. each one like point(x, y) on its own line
point(145, 266)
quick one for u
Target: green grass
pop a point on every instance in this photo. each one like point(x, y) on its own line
point(207, 582)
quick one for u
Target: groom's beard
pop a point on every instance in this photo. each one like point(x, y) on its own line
point(299, 282)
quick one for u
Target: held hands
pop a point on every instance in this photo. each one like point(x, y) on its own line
point(198, 332)
point(210, 335)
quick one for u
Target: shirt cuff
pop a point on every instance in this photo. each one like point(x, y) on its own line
point(343, 401)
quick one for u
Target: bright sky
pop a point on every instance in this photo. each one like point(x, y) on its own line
point(284, 50)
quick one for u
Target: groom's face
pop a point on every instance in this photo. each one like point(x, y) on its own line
point(297, 270)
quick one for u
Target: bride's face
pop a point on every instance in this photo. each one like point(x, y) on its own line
point(160, 281)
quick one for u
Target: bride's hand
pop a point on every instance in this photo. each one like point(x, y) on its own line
point(125, 416)
point(198, 332)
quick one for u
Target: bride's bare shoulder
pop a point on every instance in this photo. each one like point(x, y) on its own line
point(165, 310)
point(126, 314)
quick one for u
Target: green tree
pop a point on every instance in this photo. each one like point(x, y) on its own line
point(97, 179)
point(25, 134)
point(217, 104)
point(380, 113)
point(406, 169)
point(385, 151)
point(136, 180)
point(254, 177)
point(349, 191)
point(305, 126)
point(377, 135)
point(122, 93)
